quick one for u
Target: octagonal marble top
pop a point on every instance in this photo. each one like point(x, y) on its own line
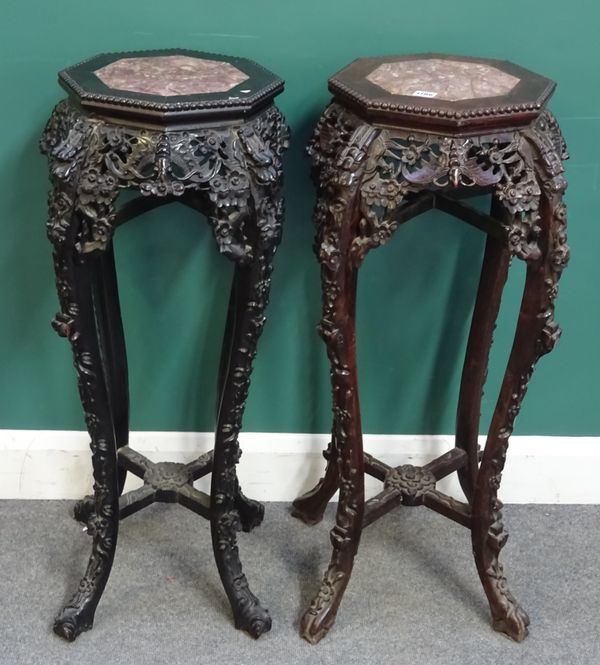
point(450, 80)
point(170, 75)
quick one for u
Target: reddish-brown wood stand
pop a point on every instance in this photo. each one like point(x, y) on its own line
point(401, 136)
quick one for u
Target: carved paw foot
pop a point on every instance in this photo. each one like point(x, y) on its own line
point(320, 616)
point(253, 618)
point(72, 621)
point(513, 624)
point(251, 512)
point(84, 509)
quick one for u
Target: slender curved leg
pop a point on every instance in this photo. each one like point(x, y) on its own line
point(77, 281)
point(488, 533)
point(536, 334)
point(310, 507)
point(494, 272)
point(339, 227)
point(118, 379)
point(251, 287)
point(110, 329)
point(251, 512)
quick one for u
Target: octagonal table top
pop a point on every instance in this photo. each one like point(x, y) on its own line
point(429, 90)
point(170, 85)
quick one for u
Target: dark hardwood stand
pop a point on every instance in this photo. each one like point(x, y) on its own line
point(404, 135)
point(212, 140)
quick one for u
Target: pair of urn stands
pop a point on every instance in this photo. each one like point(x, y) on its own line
point(402, 135)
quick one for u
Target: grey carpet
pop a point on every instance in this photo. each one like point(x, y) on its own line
point(414, 596)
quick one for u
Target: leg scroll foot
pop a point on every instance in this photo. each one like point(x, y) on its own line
point(230, 510)
point(250, 615)
point(513, 624)
point(73, 621)
point(100, 512)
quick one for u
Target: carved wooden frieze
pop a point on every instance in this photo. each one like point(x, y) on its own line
point(399, 163)
point(93, 160)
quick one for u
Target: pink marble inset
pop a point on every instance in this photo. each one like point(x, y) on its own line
point(450, 80)
point(170, 75)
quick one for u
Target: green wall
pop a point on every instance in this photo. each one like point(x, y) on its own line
point(415, 295)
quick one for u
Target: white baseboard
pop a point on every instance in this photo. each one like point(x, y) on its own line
point(49, 464)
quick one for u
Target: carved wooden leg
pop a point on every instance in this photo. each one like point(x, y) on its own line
point(488, 532)
point(229, 507)
point(310, 507)
point(77, 281)
point(251, 512)
point(110, 328)
point(334, 216)
point(112, 340)
point(118, 379)
point(339, 277)
point(494, 272)
point(536, 334)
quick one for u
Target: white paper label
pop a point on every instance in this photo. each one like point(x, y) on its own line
point(424, 93)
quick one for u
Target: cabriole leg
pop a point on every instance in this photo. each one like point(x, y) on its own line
point(494, 271)
point(339, 278)
point(251, 512)
point(77, 281)
point(246, 318)
point(536, 334)
point(110, 330)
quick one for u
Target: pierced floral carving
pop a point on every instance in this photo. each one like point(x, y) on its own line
point(412, 481)
point(95, 159)
point(402, 163)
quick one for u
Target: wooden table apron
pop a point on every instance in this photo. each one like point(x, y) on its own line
point(370, 180)
point(230, 173)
